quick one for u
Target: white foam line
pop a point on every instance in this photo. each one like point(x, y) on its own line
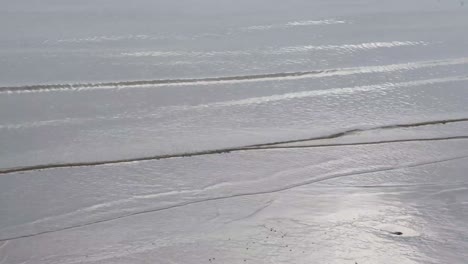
point(349, 47)
point(326, 73)
point(277, 51)
point(98, 39)
point(346, 71)
point(295, 24)
point(329, 92)
point(140, 37)
point(341, 72)
point(248, 101)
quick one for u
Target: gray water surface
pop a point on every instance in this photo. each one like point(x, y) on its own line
point(233, 131)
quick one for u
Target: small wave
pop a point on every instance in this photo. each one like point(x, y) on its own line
point(110, 38)
point(349, 47)
point(128, 84)
point(329, 92)
point(49, 123)
point(295, 24)
point(276, 51)
point(143, 37)
point(236, 79)
point(105, 38)
point(242, 102)
point(184, 53)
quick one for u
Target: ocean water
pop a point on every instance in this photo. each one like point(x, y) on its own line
point(233, 131)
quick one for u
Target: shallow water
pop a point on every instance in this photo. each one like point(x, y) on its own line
point(232, 132)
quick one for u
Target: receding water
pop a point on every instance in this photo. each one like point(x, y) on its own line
point(314, 129)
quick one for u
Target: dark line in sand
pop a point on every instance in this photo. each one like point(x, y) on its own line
point(251, 147)
point(280, 189)
point(362, 143)
point(31, 88)
point(344, 133)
